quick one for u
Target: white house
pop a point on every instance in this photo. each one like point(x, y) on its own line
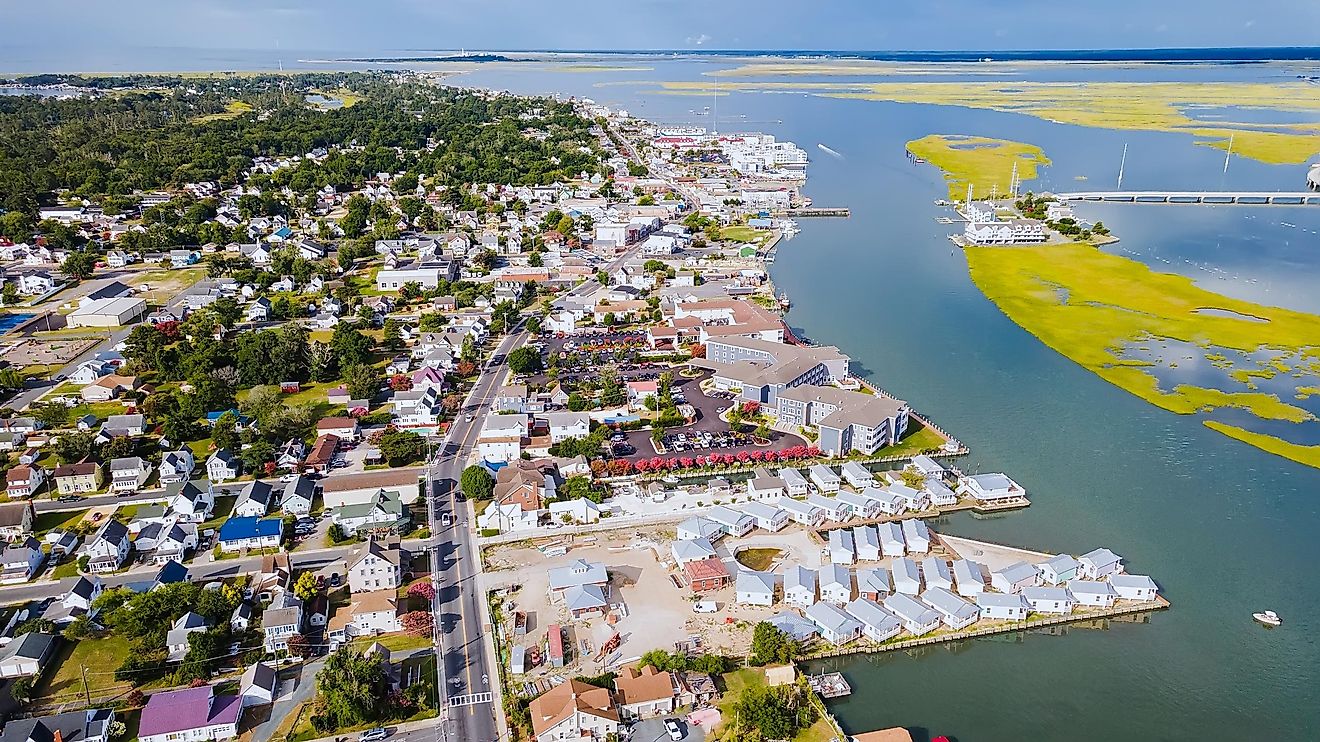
point(939, 493)
point(767, 517)
point(763, 486)
point(907, 577)
point(866, 540)
point(128, 474)
point(835, 584)
point(1057, 569)
point(832, 508)
point(873, 583)
point(755, 588)
point(990, 487)
point(794, 483)
point(1134, 587)
point(1014, 577)
point(917, 617)
point(856, 475)
point(878, 624)
point(836, 626)
point(1099, 563)
point(108, 548)
point(799, 586)
point(1093, 593)
point(699, 527)
point(255, 499)
point(733, 522)
point(191, 501)
point(691, 550)
point(1001, 607)
point(885, 501)
point(565, 425)
point(1049, 599)
point(859, 505)
point(801, 512)
point(935, 573)
point(501, 437)
point(841, 547)
point(955, 612)
point(967, 576)
point(222, 466)
point(824, 478)
point(176, 466)
point(891, 539)
point(912, 499)
point(917, 536)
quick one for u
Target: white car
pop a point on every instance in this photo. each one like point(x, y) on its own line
point(469, 418)
point(675, 732)
point(704, 606)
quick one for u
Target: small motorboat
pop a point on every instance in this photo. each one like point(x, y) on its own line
point(1268, 618)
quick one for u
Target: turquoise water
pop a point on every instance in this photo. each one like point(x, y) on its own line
point(1224, 528)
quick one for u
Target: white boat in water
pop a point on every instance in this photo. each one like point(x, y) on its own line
point(828, 151)
point(1269, 618)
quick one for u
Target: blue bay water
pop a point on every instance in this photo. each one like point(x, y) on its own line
point(1224, 528)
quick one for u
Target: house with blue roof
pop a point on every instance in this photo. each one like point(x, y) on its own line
point(241, 533)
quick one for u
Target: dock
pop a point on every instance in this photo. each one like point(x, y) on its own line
point(829, 685)
point(816, 211)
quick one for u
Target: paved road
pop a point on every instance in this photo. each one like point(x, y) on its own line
point(199, 572)
point(464, 665)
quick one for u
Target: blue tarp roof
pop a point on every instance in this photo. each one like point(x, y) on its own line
point(249, 527)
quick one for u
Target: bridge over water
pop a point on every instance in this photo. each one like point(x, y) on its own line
point(1242, 198)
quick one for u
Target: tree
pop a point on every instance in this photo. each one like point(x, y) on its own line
point(417, 623)
point(74, 447)
point(351, 688)
point(79, 265)
point(119, 447)
point(391, 338)
point(224, 434)
point(350, 345)
point(363, 380)
point(422, 589)
point(401, 447)
point(771, 646)
point(525, 361)
point(9, 294)
point(21, 688)
point(534, 260)
point(432, 322)
point(477, 482)
point(306, 587)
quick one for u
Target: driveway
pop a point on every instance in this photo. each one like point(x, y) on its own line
point(292, 690)
point(653, 730)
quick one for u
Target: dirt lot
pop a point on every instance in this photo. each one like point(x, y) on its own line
point(657, 613)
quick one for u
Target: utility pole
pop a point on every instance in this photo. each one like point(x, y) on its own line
point(87, 694)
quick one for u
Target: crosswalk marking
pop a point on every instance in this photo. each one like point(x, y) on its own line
point(471, 699)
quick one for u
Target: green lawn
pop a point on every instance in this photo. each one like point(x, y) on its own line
point(923, 439)
point(739, 680)
point(743, 233)
point(65, 569)
point(102, 410)
point(46, 522)
point(223, 507)
point(99, 656)
point(757, 559)
point(394, 642)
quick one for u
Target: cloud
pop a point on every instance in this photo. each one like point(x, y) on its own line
point(698, 40)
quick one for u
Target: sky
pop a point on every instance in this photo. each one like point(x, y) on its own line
point(367, 26)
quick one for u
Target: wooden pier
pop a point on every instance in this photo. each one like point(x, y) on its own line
point(816, 211)
point(829, 685)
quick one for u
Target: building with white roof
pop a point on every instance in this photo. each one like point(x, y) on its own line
point(1055, 600)
point(691, 550)
point(990, 487)
point(935, 572)
point(917, 536)
point(968, 578)
point(860, 505)
point(802, 512)
point(873, 583)
point(575, 574)
point(878, 624)
point(907, 578)
point(1134, 587)
point(765, 516)
point(955, 612)
point(1057, 570)
point(1001, 607)
point(841, 546)
point(886, 502)
point(891, 539)
point(1099, 563)
point(799, 586)
point(866, 541)
point(794, 483)
point(835, 584)
point(733, 522)
point(1093, 593)
point(917, 617)
point(856, 475)
point(699, 527)
point(824, 478)
point(1014, 577)
point(836, 626)
point(832, 508)
point(755, 588)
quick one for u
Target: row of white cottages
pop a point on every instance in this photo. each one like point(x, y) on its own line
point(920, 597)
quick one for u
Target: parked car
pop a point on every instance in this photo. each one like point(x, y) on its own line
point(675, 731)
point(373, 735)
point(69, 498)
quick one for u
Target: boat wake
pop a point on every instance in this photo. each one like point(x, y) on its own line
point(832, 153)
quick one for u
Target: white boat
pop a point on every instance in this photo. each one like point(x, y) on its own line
point(1269, 618)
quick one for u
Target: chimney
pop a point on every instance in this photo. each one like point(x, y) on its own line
point(59, 736)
